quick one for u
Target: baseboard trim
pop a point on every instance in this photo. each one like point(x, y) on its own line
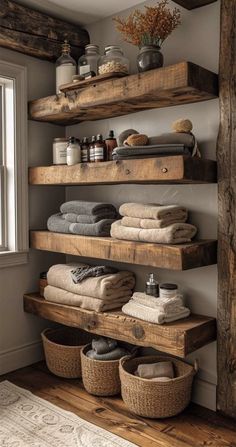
point(21, 356)
point(204, 393)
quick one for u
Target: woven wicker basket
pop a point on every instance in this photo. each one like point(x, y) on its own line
point(62, 350)
point(156, 399)
point(100, 378)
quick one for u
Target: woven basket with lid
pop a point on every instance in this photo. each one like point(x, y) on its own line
point(156, 399)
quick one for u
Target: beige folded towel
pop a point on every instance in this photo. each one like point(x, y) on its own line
point(151, 211)
point(178, 233)
point(135, 222)
point(107, 287)
point(59, 296)
point(162, 304)
point(155, 370)
point(155, 316)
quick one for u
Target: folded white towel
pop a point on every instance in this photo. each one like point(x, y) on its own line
point(162, 304)
point(155, 316)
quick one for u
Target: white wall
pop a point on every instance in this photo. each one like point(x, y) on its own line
point(197, 40)
point(20, 332)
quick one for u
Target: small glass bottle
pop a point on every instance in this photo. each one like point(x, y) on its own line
point(92, 150)
point(152, 287)
point(89, 61)
point(99, 150)
point(113, 61)
point(85, 150)
point(111, 144)
point(65, 67)
point(73, 152)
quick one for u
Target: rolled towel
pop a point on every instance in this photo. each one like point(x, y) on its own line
point(155, 370)
point(178, 233)
point(108, 287)
point(59, 296)
point(104, 345)
point(88, 208)
point(145, 313)
point(135, 222)
point(152, 211)
point(84, 218)
point(116, 354)
point(56, 224)
point(162, 304)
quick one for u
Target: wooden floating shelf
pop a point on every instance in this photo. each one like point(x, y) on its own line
point(174, 257)
point(193, 4)
point(178, 84)
point(177, 169)
point(179, 338)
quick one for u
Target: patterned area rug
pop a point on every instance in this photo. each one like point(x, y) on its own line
point(29, 421)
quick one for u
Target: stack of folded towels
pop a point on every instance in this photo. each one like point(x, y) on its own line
point(156, 310)
point(83, 218)
point(93, 288)
point(160, 224)
point(106, 349)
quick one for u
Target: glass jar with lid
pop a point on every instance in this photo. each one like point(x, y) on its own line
point(113, 61)
point(65, 67)
point(89, 61)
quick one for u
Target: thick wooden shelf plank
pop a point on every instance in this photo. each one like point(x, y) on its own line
point(174, 257)
point(193, 4)
point(179, 338)
point(178, 84)
point(177, 169)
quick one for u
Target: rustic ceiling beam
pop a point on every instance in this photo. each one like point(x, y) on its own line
point(193, 4)
point(226, 157)
point(36, 34)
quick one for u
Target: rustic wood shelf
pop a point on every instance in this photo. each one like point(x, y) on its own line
point(179, 338)
point(193, 4)
point(177, 169)
point(178, 84)
point(174, 257)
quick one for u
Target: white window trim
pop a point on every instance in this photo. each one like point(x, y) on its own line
point(20, 255)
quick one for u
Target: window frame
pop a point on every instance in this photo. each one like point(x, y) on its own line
point(16, 184)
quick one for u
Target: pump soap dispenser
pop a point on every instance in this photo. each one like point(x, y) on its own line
point(152, 286)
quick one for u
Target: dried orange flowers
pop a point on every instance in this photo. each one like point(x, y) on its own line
point(151, 27)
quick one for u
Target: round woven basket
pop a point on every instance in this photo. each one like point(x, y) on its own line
point(156, 399)
point(100, 378)
point(62, 350)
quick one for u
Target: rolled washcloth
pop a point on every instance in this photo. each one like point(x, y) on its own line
point(84, 218)
point(116, 354)
point(88, 208)
point(153, 211)
point(177, 233)
point(151, 315)
point(57, 224)
point(162, 304)
point(109, 287)
point(155, 370)
point(149, 224)
point(60, 296)
point(103, 345)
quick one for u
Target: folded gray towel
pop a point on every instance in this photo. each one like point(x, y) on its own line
point(104, 345)
point(88, 208)
point(187, 139)
point(160, 150)
point(116, 354)
point(57, 224)
point(81, 273)
point(84, 218)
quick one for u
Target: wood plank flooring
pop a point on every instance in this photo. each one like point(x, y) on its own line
point(196, 427)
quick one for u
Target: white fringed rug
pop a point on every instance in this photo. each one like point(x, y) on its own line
point(29, 421)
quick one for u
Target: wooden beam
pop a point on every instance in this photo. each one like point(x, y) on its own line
point(36, 34)
point(226, 155)
point(193, 4)
point(179, 338)
point(176, 169)
point(178, 84)
point(174, 257)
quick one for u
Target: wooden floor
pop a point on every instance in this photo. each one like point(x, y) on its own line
point(195, 427)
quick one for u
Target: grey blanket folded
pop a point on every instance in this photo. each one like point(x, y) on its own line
point(81, 273)
point(84, 218)
point(88, 208)
point(116, 354)
point(57, 224)
point(161, 150)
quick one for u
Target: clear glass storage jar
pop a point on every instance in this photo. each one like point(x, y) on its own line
point(89, 61)
point(113, 61)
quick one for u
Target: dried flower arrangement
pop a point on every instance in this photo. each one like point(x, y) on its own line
point(151, 27)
